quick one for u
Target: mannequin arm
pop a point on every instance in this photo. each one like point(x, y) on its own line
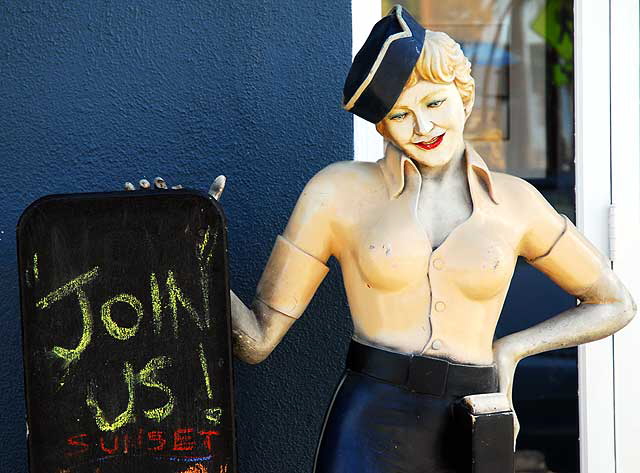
point(291, 277)
point(605, 304)
point(604, 309)
point(256, 332)
point(584, 323)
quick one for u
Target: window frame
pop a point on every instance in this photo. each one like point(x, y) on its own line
point(625, 196)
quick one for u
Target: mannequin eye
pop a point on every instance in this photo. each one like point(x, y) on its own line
point(435, 103)
point(398, 116)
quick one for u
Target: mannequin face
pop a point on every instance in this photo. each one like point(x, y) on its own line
point(427, 123)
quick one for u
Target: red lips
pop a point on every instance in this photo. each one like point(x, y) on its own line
point(431, 144)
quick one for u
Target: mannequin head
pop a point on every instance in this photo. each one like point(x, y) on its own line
point(427, 120)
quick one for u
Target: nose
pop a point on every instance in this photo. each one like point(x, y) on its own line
point(423, 125)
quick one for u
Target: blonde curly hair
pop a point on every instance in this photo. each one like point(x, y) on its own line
point(443, 62)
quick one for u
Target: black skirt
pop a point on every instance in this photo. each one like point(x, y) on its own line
point(377, 426)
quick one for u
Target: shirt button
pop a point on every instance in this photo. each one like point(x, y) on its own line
point(438, 263)
point(436, 345)
point(440, 306)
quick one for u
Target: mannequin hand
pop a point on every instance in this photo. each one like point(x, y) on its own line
point(506, 362)
point(215, 191)
point(158, 183)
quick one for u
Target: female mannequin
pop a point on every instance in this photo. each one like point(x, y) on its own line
point(427, 239)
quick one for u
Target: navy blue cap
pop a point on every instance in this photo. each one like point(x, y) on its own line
point(383, 65)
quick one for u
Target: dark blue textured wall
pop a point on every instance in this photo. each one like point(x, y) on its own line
point(93, 93)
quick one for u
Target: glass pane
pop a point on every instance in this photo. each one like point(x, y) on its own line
point(521, 53)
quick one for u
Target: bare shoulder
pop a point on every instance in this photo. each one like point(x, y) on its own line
point(328, 202)
point(530, 212)
point(343, 181)
point(514, 186)
point(519, 195)
point(341, 173)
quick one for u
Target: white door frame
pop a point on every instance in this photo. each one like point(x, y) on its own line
point(608, 149)
point(625, 156)
point(367, 142)
point(593, 200)
point(607, 118)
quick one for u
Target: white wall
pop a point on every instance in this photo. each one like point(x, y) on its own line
point(367, 143)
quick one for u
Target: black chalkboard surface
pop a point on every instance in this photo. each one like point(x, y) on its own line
point(126, 333)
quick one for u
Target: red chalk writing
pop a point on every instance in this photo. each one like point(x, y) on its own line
point(77, 441)
point(183, 440)
point(157, 436)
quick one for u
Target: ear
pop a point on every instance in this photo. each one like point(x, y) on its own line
point(380, 128)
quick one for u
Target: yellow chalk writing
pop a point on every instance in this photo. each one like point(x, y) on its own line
point(71, 286)
point(73, 354)
point(213, 415)
point(176, 296)
point(115, 330)
point(36, 271)
point(149, 377)
point(202, 246)
point(205, 370)
point(75, 285)
point(156, 304)
point(213, 245)
point(204, 286)
point(205, 261)
point(122, 419)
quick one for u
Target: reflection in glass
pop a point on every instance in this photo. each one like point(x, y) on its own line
point(521, 53)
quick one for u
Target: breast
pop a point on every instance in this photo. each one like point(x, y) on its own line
point(392, 251)
point(478, 262)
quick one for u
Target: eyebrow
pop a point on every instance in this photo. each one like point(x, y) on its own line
point(429, 97)
point(432, 94)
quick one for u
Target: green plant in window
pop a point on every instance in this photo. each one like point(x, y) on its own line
point(554, 23)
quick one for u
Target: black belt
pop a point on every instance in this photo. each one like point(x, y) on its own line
point(422, 374)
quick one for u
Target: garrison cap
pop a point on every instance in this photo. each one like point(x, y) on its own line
point(383, 65)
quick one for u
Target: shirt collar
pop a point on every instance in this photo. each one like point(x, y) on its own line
point(394, 161)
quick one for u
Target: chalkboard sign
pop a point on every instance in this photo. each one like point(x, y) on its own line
point(126, 333)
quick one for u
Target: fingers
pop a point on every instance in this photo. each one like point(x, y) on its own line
point(217, 187)
point(159, 183)
point(144, 184)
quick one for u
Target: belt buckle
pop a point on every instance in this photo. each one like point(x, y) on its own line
point(427, 375)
